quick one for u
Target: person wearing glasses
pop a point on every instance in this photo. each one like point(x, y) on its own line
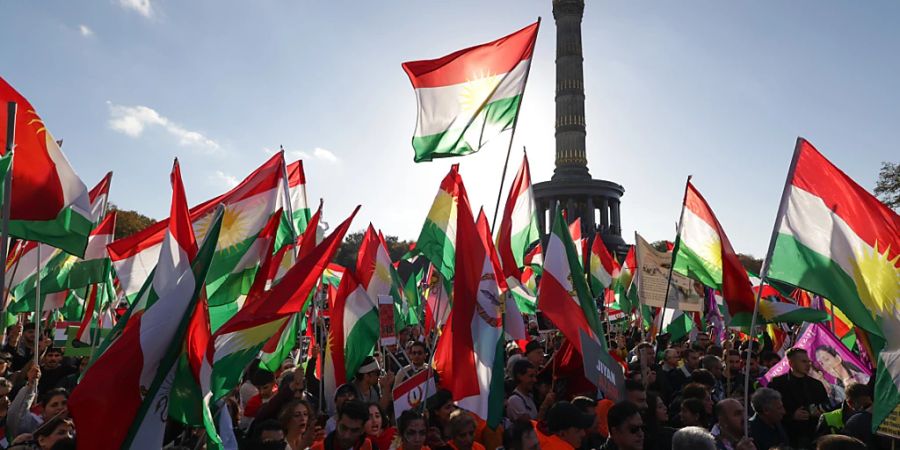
point(626, 428)
point(413, 431)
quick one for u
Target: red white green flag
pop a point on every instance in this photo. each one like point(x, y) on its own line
point(49, 203)
point(835, 239)
point(518, 228)
point(469, 96)
point(437, 241)
point(604, 268)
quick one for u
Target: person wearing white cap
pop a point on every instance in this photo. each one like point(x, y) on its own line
point(370, 383)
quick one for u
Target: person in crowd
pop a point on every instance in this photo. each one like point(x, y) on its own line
point(370, 383)
point(713, 364)
point(377, 429)
point(413, 431)
point(700, 392)
point(520, 436)
point(521, 400)
point(53, 370)
point(567, 426)
point(626, 427)
point(693, 438)
point(733, 375)
point(859, 425)
point(52, 431)
point(692, 413)
point(730, 425)
point(840, 442)
point(462, 431)
point(636, 394)
point(592, 437)
point(349, 432)
point(859, 398)
point(344, 393)
point(5, 363)
point(264, 381)
point(247, 389)
point(657, 435)
point(768, 359)
point(702, 340)
point(20, 344)
point(766, 427)
point(753, 366)
point(53, 403)
point(675, 374)
point(803, 398)
point(418, 355)
point(298, 420)
point(439, 406)
point(291, 387)
point(269, 435)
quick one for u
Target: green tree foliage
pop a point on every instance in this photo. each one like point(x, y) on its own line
point(129, 222)
point(346, 254)
point(750, 262)
point(887, 188)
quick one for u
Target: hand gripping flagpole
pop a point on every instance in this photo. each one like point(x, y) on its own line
point(764, 272)
point(7, 199)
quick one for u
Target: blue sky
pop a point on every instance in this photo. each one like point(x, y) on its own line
point(715, 89)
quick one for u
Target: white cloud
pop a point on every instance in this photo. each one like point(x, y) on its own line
point(325, 155)
point(133, 120)
point(318, 153)
point(220, 178)
point(85, 31)
point(141, 6)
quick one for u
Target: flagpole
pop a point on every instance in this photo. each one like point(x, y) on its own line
point(513, 134)
point(37, 309)
point(764, 273)
point(640, 312)
point(7, 199)
point(662, 316)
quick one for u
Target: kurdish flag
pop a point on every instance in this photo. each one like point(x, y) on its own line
point(247, 209)
point(470, 96)
point(703, 252)
point(837, 240)
point(604, 268)
point(518, 228)
point(437, 241)
point(49, 203)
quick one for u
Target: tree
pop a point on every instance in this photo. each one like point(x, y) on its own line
point(887, 188)
point(346, 254)
point(129, 222)
point(750, 262)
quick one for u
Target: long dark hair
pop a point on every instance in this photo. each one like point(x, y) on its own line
point(849, 366)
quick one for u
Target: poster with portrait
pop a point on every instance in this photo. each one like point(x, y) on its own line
point(653, 268)
point(832, 362)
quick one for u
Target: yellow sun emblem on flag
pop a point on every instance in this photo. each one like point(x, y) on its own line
point(477, 91)
point(234, 228)
point(877, 279)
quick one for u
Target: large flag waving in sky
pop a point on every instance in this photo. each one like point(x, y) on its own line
point(469, 96)
point(49, 202)
point(837, 240)
point(518, 228)
point(703, 252)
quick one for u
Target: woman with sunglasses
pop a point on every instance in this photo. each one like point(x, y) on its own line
point(377, 428)
point(413, 430)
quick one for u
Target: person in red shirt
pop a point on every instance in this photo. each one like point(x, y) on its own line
point(462, 431)
point(376, 428)
point(567, 425)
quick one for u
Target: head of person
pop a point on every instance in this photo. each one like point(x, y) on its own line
point(700, 392)
point(859, 396)
point(568, 423)
point(534, 353)
point(769, 358)
point(297, 383)
point(5, 387)
point(5, 361)
point(369, 372)
point(768, 406)
point(704, 377)
point(702, 339)
point(264, 381)
point(351, 422)
point(713, 364)
point(375, 425)
point(28, 333)
point(799, 361)
point(831, 360)
point(839, 442)
point(636, 394)
point(520, 436)
point(656, 413)
point(588, 406)
point(671, 357)
point(418, 353)
point(691, 359)
point(413, 430)
point(270, 432)
point(645, 350)
point(54, 402)
point(440, 406)
point(525, 375)
point(462, 429)
point(52, 431)
point(52, 358)
point(730, 416)
point(626, 426)
point(296, 415)
point(343, 394)
point(692, 412)
point(753, 363)
point(693, 438)
point(732, 361)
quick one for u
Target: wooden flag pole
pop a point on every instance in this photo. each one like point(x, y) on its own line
point(662, 314)
point(764, 272)
point(7, 199)
point(37, 309)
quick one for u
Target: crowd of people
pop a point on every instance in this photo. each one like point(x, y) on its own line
point(685, 396)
